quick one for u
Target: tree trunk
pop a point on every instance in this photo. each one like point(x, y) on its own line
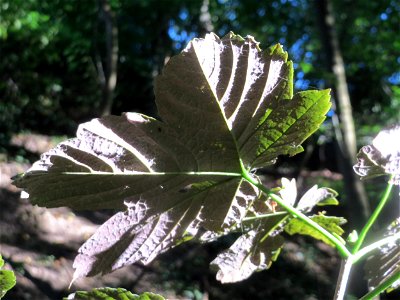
point(355, 196)
point(356, 199)
point(205, 21)
point(111, 59)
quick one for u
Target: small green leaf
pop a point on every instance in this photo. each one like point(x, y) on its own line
point(112, 294)
point(7, 279)
point(328, 201)
point(353, 237)
point(253, 251)
point(314, 196)
point(250, 253)
point(317, 196)
point(289, 190)
point(332, 224)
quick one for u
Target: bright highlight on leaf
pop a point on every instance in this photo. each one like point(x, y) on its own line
point(314, 196)
point(246, 256)
point(382, 157)
point(225, 108)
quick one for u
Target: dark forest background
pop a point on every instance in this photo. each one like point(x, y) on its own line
point(64, 62)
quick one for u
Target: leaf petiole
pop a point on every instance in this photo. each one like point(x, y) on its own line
point(348, 263)
point(273, 228)
point(381, 287)
point(264, 216)
point(373, 217)
point(344, 252)
point(126, 173)
point(364, 251)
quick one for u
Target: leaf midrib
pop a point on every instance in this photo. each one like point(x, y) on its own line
point(221, 110)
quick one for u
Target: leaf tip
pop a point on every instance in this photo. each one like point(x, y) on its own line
point(75, 277)
point(278, 50)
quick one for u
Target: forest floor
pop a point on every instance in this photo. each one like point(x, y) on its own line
point(40, 244)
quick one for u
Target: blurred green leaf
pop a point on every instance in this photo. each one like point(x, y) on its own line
point(332, 224)
point(107, 293)
point(306, 67)
point(7, 279)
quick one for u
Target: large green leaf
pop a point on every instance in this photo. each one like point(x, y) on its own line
point(225, 106)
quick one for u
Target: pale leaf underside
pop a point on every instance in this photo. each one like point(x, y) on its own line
point(222, 103)
point(382, 157)
point(260, 246)
point(314, 196)
point(246, 256)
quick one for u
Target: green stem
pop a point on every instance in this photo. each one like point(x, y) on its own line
point(121, 173)
point(348, 263)
point(343, 278)
point(373, 218)
point(273, 228)
point(344, 252)
point(381, 287)
point(364, 251)
point(264, 216)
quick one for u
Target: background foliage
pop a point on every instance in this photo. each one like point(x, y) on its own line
point(50, 77)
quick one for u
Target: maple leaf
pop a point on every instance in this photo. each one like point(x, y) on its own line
point(226, 107)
